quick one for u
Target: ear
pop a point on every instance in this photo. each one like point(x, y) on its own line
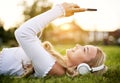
point(47, 45)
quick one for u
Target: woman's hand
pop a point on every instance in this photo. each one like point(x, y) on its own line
point(71, 8)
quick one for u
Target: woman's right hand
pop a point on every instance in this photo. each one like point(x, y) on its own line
point(71, 8)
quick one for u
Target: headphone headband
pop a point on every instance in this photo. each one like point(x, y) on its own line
point(93, 69)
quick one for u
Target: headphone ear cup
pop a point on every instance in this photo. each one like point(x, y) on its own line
point(83, 69)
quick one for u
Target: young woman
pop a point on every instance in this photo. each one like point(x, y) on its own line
point(41, 59)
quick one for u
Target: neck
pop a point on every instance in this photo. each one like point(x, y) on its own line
point(68, 62)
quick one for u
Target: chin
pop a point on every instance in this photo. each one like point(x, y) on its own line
point(68, 52)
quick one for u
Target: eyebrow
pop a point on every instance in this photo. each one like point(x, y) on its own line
point(86, 50)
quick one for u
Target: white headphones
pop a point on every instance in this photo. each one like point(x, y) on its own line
point(85, 68)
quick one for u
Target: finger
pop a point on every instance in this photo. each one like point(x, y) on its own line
point(82, 9)
point(75, 5)
point(78, 9)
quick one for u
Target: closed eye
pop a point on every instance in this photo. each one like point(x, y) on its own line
point(84, 49)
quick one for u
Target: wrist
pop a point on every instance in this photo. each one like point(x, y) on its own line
point(61, 9)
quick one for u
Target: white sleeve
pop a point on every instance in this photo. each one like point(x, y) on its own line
point(26, 36)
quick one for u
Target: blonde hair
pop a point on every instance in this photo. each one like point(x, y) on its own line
point(98, 60)
point(49, 48)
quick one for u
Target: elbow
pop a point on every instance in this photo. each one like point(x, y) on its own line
point(24, 34)
point(20, 34)
point(17, 34)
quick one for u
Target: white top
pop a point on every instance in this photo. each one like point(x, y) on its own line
point(26, 36)
point(11, 60)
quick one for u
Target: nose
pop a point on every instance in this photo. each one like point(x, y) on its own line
point(79, 46)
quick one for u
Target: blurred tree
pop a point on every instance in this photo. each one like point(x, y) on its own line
point(47, 31)
point(7, 37)
point(37, 7)
point(116, 35)
point(1, 32)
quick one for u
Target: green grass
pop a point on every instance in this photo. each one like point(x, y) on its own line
point(111, 76)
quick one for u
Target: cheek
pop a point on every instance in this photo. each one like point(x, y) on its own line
point(92, 54)
point(73, 57)
point(78, 57)
point(82, 56)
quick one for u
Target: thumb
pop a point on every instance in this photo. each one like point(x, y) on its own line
point(78, 9)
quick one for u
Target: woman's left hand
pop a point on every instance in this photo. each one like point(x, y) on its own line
point(71, 8)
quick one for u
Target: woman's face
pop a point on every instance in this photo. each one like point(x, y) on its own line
point(80, 54)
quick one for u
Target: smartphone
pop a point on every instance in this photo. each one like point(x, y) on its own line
point(91, 9)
